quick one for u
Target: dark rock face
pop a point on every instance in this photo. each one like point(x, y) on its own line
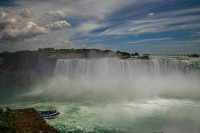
point(32, 66)
point(2, 60)
point(29, 65)
point(22, 70)
point(29, 121)
point(35, 65)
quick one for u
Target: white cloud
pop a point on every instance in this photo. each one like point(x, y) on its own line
point(55, 14)
point(92, 13)
point(58, 25)
point(11, 20)
point(161, 22)
point(3, 14)
point(151, 14)
point(31, 29)
point(89, 26)
point(96, 9)
point(48, 16)
point(149, 40)
point(21, 24)
point(52, 16)
point(26, 13)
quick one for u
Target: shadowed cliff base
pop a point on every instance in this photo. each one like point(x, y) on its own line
point(23, 121)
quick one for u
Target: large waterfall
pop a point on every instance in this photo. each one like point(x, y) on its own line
point(114, 67)
point(121, 95)
point(113, 77)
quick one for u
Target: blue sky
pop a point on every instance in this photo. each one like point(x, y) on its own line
point(147, 26)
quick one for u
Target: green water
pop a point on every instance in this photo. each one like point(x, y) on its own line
point(137, 116)
point(115, 96)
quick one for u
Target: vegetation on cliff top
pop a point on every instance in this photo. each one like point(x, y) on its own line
point(7, 120)
point(70, 53)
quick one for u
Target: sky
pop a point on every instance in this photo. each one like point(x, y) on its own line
point(144, 26)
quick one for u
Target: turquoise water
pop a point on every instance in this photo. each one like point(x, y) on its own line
point(117, 96)
point(137, 116)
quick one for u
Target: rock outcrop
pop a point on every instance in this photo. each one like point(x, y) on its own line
point(29, 121)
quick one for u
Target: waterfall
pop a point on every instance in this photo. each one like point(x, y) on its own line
point(113, 77)
point(113, 67)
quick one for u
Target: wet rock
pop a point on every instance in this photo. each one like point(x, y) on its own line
point(29, 121)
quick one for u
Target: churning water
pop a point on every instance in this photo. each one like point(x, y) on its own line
point(114, 95)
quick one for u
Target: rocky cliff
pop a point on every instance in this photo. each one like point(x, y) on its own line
point(38, 65)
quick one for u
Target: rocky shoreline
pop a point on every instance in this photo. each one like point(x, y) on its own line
point(25, 121)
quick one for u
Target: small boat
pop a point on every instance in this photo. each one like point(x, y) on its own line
point(49, 114)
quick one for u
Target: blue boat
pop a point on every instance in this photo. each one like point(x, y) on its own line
point(49, 114)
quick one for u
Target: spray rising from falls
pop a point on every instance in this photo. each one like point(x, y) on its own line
point(114, 95)
point(113, 77)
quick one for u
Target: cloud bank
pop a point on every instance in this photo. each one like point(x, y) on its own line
point(21, 24)
point(112, 23)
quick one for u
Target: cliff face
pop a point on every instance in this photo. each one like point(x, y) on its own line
point(40, 64)
point(28, 65)
point(21, 70)
point(33, 66)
